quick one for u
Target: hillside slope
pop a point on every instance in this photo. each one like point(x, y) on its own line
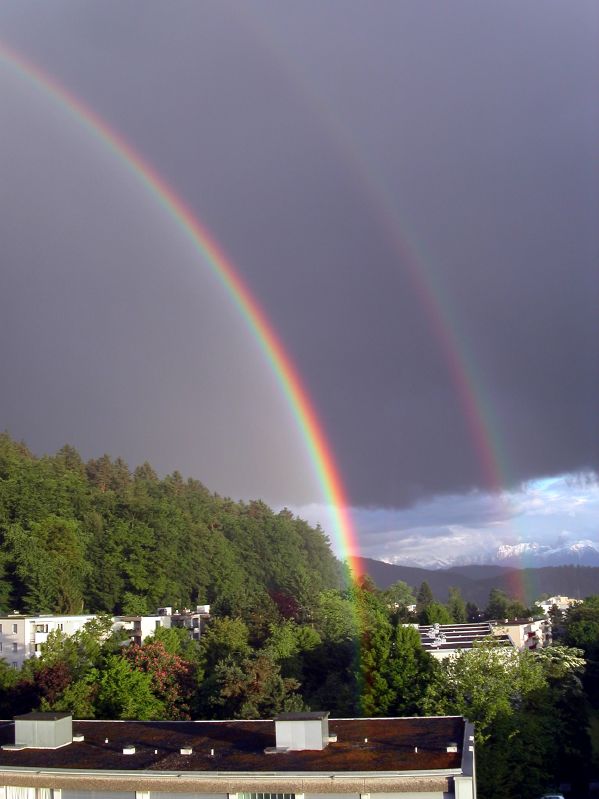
point(475, 582)
point(93, 535)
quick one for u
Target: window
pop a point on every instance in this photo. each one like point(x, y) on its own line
point(15, 628)
point(0, 647)
point(157, 623)
point(0, 628)
point(14, 664)
point(60, 626)
point(15, 647)
point(266, 795)
point(41, 628)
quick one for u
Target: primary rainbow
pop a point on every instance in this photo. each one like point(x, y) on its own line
point(209, 250)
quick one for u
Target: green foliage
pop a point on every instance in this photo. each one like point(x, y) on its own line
point(335, 617)
point(582, 626)
point(253, 689)
point(456, 606)
point(50, 563)
point(398, 595)
point(222, 639)
point(500, 606)
point(131, 543)
point(411, 672)
point(435, 613)
point(125, 693)
point(529, 714)
point(375, 651)
point(487, 682)
point(424, 597)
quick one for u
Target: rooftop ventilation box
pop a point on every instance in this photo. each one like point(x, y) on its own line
point(43, 730)
point(298, 731)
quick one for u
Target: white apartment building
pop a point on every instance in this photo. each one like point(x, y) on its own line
point(525, 633)
point(141, 627)
point(562, 603)
point(22, 636)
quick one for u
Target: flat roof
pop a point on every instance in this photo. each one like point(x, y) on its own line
point(39, 716)
point(363, 745)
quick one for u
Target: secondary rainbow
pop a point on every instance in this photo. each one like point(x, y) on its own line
point(286, 373)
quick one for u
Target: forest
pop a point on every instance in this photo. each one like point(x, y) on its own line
point(288, 631)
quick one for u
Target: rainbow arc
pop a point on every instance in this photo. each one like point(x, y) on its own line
point(212, 255)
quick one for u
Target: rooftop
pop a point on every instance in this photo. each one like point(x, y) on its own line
point(449, 637)
point(233, 747)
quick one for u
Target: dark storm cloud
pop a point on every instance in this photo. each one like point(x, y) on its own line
point(475, 129)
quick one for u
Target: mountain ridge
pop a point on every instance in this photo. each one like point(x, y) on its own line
point(526, 585)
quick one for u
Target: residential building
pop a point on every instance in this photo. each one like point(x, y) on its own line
point(142, 627)
point(294, 756)
point(525, 633)
point(562, 603)
point(22, 636)
point(446, 640)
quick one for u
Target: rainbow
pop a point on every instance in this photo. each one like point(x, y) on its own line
point(477, 409)
point(210, 252)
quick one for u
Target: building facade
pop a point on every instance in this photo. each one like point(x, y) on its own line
point(525, 633)
point(22, 637)
point(295, 756)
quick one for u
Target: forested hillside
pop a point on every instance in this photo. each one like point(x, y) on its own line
point(98, 537)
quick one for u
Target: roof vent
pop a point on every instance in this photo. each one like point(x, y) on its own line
point(128, 749)
point(78, 738)
point(298, 731)
point(452, 747)
point(186, 750)
point(43, 730)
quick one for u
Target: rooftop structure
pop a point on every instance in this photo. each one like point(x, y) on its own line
point(445, 640)
point(432, 757)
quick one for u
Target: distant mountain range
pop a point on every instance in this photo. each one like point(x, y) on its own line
point(581, 553)
point(528, 554)
point(475, 581)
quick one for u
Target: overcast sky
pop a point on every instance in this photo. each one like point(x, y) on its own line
point(410, 190)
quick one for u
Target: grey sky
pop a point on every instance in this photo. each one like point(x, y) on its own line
point(321, 144)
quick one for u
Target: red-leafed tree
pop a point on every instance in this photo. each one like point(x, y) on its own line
point(172, 676)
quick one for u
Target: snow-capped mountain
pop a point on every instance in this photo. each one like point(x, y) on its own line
point(579, 553)
point(528, 554)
